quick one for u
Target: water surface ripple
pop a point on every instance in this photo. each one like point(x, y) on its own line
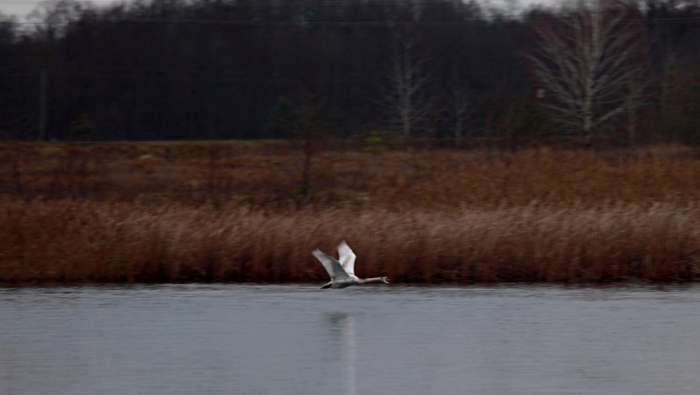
point(296, 339)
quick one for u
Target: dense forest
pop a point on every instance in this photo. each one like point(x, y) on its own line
point(251, 69)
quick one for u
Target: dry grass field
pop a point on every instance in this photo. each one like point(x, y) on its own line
point(244, 211)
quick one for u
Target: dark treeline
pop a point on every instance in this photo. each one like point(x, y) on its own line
point(219, 69)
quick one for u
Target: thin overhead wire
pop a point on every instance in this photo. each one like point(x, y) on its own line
point(139, 74)
point(232, 3)
point(489, 11)
point(349, 23)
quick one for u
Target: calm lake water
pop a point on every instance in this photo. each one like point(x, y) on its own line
point(386, 339)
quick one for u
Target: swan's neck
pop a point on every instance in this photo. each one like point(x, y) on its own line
point(372, 280)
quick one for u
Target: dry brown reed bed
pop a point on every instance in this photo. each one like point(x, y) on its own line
point(77, 241)
point(269, 175)
point(231, 211)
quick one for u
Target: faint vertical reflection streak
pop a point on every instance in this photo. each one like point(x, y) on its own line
point(344, 325)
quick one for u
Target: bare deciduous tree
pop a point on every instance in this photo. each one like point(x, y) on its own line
point(406, 94)
point(588, 61)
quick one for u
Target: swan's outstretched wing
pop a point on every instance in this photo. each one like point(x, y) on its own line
point(332, 266)
point(346, 258)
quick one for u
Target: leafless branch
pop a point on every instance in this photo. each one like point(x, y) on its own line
point(586, 60)
point(407, 82)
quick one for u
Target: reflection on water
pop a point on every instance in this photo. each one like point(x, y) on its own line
point(296, 339)
point(344, 325)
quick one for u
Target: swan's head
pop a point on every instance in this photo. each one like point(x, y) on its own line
point(385, 280)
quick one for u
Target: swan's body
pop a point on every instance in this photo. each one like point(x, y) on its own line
point(342, 270)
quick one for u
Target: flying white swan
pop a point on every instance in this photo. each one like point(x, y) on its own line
point(342, 270)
